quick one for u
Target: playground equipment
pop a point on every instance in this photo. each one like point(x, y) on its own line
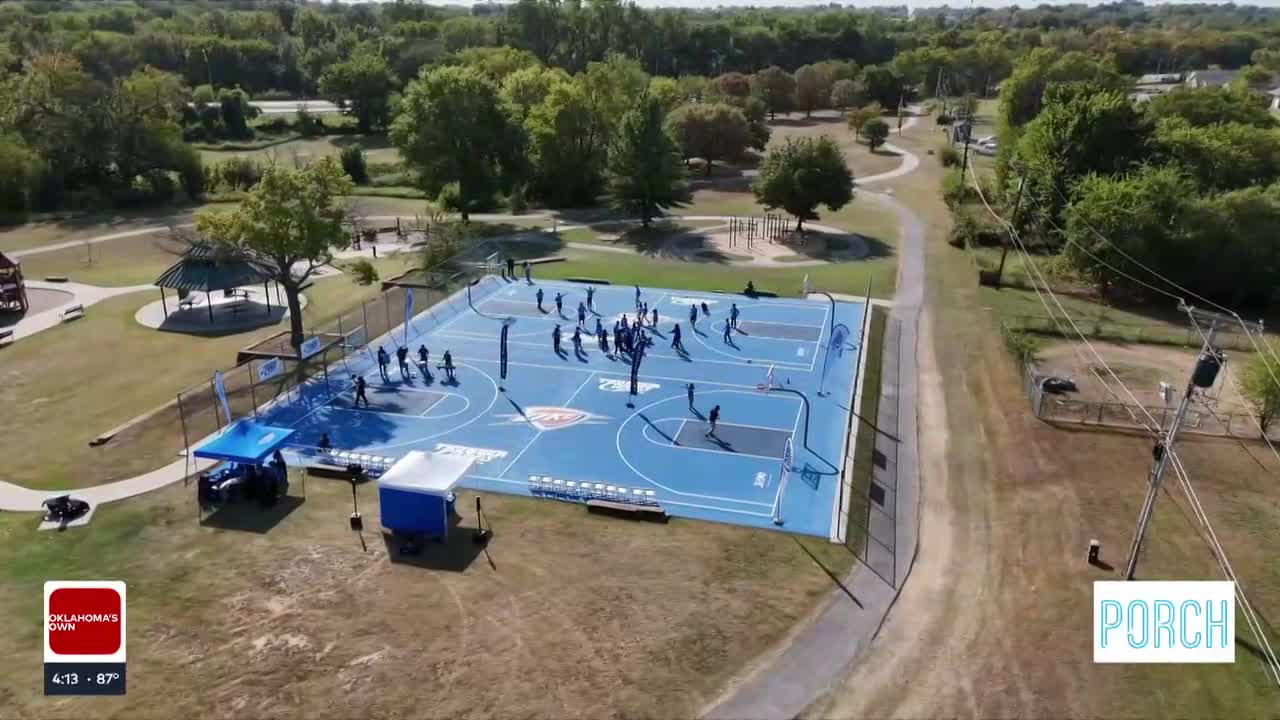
point(747, 231)
point(13, 289)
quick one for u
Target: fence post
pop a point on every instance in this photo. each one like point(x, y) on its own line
point(253, 394)
point(386, 309)
point(186, 444)
point(1100, 406)
point(213, 395)
point(364, 314)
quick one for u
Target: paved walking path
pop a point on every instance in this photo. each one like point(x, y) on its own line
point(821, 651)
point(80, 294)
point(20, 499)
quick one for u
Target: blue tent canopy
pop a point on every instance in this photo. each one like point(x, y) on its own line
point(245, 442)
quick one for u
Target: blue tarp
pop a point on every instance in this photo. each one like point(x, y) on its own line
point(245, 442)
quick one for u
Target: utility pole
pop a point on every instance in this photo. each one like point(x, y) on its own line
point(1202, 377)
point(1013, 220)
point(968, 135)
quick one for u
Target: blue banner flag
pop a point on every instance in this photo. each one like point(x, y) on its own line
point(222, 394)
point(408, 313)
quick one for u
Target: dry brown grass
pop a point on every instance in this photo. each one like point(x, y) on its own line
point(566, 615)
point(995, 619)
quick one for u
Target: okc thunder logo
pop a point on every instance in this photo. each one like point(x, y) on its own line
point(553, 418)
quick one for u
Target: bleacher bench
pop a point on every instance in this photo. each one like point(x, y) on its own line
point(75, 312)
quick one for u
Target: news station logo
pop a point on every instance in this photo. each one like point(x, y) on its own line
point(1164, 622)
point(84, 621)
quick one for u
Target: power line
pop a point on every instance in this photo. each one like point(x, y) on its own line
point(1197, 297)
point(1179, 469)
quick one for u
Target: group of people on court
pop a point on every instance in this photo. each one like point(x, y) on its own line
point(402, 358)
point(510, 273)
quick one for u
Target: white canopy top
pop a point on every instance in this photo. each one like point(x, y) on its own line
point(424, 472)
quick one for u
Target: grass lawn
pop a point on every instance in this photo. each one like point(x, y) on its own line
point(42, 232)
point(848, 277)
point(863, 216)
point(127, 261)
point(66, 385)
point(293, 152)
point(858, 504)
point(564, 614)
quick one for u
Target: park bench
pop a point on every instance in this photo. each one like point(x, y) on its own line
point(74, 312)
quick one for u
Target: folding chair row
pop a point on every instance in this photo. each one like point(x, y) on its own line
point(376, 463)
point(546, 486)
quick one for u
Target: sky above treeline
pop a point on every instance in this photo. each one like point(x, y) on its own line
point(874, 3)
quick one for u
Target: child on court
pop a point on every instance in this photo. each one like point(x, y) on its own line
point(424, 362)
point(360, 387)
point(448, 366)
point(555, 340)
point(688, 390)
point(591, 296)
point(733, 316)
point(617, 337)
point(528, 272)
point(599, 326)
point(577, 340)
point(560, 304)
point(539, 296)
point(675, 339)
point(582, 314)
point(402, 356)
point(693, 315)
point(714, 417)
point(637, 296)
point(383, 361)
point(728, 329)
point(603, 338)
point(654, 324)
point(706, 311)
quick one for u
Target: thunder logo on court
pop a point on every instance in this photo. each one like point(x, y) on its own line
point(553, 418)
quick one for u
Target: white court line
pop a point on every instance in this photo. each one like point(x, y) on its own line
point(634, 469)
point(677, 446)
point(662, 502)
point(755, 361)
point(785, 324)
point(621, 373)
point(777, 498)
point(539, 434)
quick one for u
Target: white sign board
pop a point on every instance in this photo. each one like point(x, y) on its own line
point(270, 368)
point(309, 347)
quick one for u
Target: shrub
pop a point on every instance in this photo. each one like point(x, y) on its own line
point(363, 272)
point(945, 119)
point(955, 191)
point(1023, 346)
point(353, 162)
point(519, 203)
point(963, 231)
point(948, 156)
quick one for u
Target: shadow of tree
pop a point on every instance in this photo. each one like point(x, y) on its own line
point(841, 247)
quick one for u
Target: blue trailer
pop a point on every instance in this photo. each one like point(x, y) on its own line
point(416, 493)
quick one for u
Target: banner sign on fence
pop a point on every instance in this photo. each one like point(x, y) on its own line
point(309, 347)
point(408, 314)
point(270, 368)
point(221, 391)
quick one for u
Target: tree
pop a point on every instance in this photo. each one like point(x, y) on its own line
point(1022, 93)
point(1220, 157)
point(813, 88)
point(734, 84)
point(776, 87)
point(362, 87)
point(803, 174)
point(524, 89)
point(236, 112)
point(290, 219)
point(882, 85)
point(452, 128)
point(876, 131)
point(568, 146)
point(1259, 385)
point(1209, 106)
point(667, 92)
point(844, 94)
point(710, 131)
point(858, 117)
point(645, 175)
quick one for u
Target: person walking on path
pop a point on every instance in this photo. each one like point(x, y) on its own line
point(360, 388)
point(539, 296)
point(383, 361)
point(402, 357)
point(713, 418)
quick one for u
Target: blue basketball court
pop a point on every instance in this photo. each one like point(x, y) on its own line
point(561, 421)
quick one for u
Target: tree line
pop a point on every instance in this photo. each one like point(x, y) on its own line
point(1187, 184)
